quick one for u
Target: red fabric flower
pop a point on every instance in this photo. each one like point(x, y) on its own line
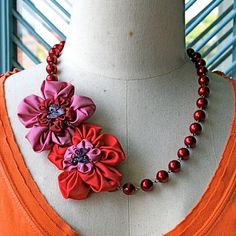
point(88, 163)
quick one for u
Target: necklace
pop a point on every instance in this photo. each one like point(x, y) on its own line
point(87, 156)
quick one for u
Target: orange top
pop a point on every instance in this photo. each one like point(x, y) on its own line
point(25, 211)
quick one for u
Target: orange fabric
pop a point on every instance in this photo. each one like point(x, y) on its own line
point(25, 211)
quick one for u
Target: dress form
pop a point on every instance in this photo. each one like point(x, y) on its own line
point(129, 58)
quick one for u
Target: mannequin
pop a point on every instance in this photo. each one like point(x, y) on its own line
point(129, 57)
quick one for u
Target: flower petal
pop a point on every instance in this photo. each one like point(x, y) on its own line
point(28, 110)
point(64, 138)
point(86, 131)
point(111, 150)
point(102, 178)
point(72, 186)
point(84, 108)
point(40, 138)
point(53, 89)
point(56, 155)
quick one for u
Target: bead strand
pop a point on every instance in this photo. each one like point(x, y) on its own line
point(195, 128)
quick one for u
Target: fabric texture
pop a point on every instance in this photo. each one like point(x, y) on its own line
point(25, 211)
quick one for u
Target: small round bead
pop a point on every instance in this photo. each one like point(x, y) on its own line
point(54, 52)
point(146, 185)
point(202, 103)
point(195, 128)
point(62, 43)
point(196, 56)
point(128, 189)
point(204, 91)
point(199, 63)
point(174, 166)
point(183, 153)
point(51, 69)
point(190, 141)
point(162, 176)
point(58, 46)
point(52, 59)
point(52, 77)
point(190, 52)
point(202, 70)
point(203, 80)
point(199, 115)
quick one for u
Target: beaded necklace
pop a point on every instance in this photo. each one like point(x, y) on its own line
point(87, 156)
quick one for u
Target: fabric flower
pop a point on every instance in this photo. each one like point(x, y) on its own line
point(88, 163)
point(53, 117)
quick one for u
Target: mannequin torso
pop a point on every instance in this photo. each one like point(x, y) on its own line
point(136, 85)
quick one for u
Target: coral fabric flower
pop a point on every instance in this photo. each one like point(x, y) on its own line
point(53, 118)
point(88, 163)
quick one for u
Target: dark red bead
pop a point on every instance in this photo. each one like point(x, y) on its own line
point(202, 103)
point(162, 176)
point(174, 166)
point(183, 153)
point(202, 70)
point(203, 80)
point(62, 43)
point(51, 69)
point(196, 56)
point(199, 63)
point(52, 77)
point(52, 60)
point(190, 52)
point(204, 91)
point(54, 52)
point(190, 141)
point(195, 128)
point(199, 115)
point(146, 185)
point(128, 189)
point(58, 46)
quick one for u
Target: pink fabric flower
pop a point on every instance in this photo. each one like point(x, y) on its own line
point(53, 117)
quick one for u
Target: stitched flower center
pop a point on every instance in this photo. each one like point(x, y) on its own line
point(55, 111)
point(80, 156)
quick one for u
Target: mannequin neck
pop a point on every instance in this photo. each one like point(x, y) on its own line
point(134, 39)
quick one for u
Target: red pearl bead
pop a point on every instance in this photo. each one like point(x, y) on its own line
point(199, 63)
point(51, 69)
point(58, 46)
point(203, 80)
point(190, 52)
point(183, 153)
point(190, 141)
point(52, 59)
point(199, 115)
point(202, 70)
point(54, 52)
point(162, 176)
point(52, 77)
point(196, 56)
point(62, 43)
point(146, 185)
point(128, 189)
point(204, 91)
point(195, 128)
point(202, 103)
point(174, 166)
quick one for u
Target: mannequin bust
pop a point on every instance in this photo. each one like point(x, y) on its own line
point(129, 57)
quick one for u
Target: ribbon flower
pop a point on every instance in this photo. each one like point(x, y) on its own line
point(53, 118)
point(88, 163)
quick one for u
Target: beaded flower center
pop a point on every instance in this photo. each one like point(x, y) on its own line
point(80, 156)
point(55, 111)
